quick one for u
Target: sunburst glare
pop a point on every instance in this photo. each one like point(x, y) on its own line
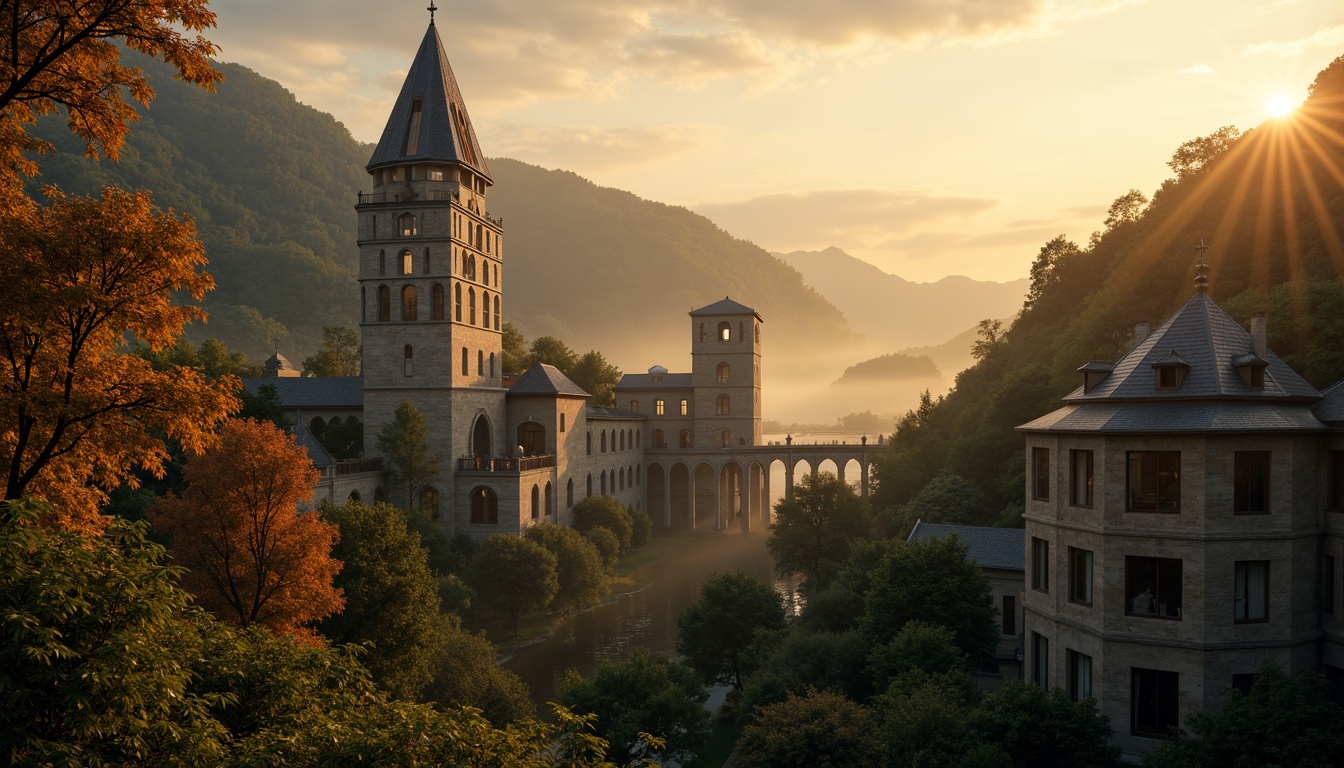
point(1279, 106)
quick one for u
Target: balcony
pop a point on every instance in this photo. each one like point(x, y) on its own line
point(491, 464)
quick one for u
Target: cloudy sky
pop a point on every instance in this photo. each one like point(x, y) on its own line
point(929, 137)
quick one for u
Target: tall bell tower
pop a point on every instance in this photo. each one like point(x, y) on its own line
point(431, 274)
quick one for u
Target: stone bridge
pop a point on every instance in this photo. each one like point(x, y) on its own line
point(698, 488)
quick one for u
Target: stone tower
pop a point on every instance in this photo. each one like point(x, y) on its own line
point(430, 274)
point(726, 374)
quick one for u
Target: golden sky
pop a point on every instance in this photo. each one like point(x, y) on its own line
point(928, 137)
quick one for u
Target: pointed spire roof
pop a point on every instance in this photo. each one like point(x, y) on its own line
point(725, 307)
point(544, 379)
point(429, 121)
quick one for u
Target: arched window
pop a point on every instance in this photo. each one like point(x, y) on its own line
point(363, 303)
point(721, 405)
point(484, 507)
point(536, 502)
point(721, 373)
point(685, 438)
point(550, 500)
point(480, 362)
point(485, 309)
point(471, 305)
point(480, 437)
point(621, 476)
point(425, 266)
point(590, 484)
point(622, 440)
point(471, 267)
point(429, 503)
point(604, 441)
point(639, 474)
point(457, 302)
point(384, 304)
point(406, 225)
point(590, 443)
point(604, 482)
point(726, 438)
point(354, 496)
point(464, 362)
point(492, 375)
point(562, 422)
point(408, 308)
point(496, 282)
point(382, 263)
point(406, 355)
point(497, 326)
point(725, 332)
point(436, 301)
point(569, 493)
point(407, 263)
point(378, 495)
point(639, 437)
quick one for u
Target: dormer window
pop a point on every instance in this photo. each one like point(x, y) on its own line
point(1251, 367)
point(1095, 372)
point(1171, 371)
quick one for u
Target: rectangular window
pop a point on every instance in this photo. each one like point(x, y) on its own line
point(1040, 474)
point(1080, 478)
point(1155, 708)
point(1040, 660)
point(1250, 495)
point(1080, 575)
point(1040, 564)
point(1080, 675)
point(1153, 587)
point(684, 409)
point(1328, 585)
point(1251, 602)
point(1009, 615)
point(658, 407)
point(1154, 481)
point(1336, 471)
point(634, 406)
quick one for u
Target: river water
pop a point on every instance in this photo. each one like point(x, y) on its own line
point(643, 619)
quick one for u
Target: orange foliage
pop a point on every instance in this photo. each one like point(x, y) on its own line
point(253, 558)
point(81, 276)
point(54, 53)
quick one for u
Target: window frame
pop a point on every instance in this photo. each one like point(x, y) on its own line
point(1040, 565)
point(1084, 500)
point(1080, 680)
point(1165, 501)
point(1243, 603)
point(1081, 576)
point(1165, 690)
point(1160, 589)
point(1040, 473)
point(1248, 467)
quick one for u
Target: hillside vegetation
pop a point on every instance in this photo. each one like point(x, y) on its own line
point(1270, 205)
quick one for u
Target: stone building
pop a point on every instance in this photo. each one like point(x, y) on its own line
point(1180, 525)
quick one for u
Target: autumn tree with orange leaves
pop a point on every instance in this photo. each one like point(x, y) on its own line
point(252, 557)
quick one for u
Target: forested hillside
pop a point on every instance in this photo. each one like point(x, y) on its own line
point(1270, 205)
point(271, 184)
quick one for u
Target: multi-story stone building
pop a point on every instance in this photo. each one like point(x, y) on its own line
point(1177, 524)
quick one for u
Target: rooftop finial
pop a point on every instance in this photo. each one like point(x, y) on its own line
point(432, 8)
point(1201, 269)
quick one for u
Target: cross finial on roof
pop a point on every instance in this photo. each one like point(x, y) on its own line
point(1201, 269)
point(432, 8)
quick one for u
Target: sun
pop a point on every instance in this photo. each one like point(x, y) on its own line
point(1279, 106)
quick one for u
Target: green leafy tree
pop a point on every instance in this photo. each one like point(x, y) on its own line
point(715, 632)
point(804, 659)
point(919, 645)
point(392, 598)
point(821, 729)
point(646, 694)
point(1194, 155)
point(263, 406)
point(1280, 721)
point(596, 376)
point(343, 438)
point(1044, 729)
point(604, 512)
point(1126, 209)
point(990, 338)
point(933, 581)
point(607, 545)
point(467, 674)
point(581, 574)
point(339, 355)
point(514, 352)
point(641, 528)
point(1048, 268)
point(511, 575)
point(551, 351)
point(949, 498)
point(923, 721)
point(814, 530)
point(404, 443)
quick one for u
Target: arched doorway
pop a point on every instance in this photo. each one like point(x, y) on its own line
point(480, 437)
point(484, 507)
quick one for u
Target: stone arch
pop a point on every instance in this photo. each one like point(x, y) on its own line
point(655, 491)
point(622, 440)
point(722, 373)
point(379, 495)
point(548, 496)
point(457, 302)
point(705, 479)
point(480, 437)
point(604, 441)
point(484, 506)
point(384, 304)
point(355, 497)
point(657, 437)
point(317, 426)
point(725, 331)
point(590, 486)
point(471, 306)
point(569, 493)
point(406, 225)
point(536, 502)
point(604, 482)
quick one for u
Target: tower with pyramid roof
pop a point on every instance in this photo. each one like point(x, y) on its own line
point(431, 275)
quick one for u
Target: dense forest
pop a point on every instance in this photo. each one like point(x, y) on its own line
point(271, 184)
point(1270, 205)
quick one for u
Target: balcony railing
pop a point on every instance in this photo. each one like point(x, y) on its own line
point(355, 466)
point(492, 464)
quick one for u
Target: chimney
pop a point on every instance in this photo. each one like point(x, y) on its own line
point(1140, 333)
point(1258, 333)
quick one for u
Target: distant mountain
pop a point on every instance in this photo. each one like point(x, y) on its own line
point(272, 185)
point(892, 312)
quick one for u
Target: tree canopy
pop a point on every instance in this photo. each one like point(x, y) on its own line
point(813, 531)
point(404, 443)
point(511, 574)
point(580, 573)
point(339, 355)
point(715, 632)
point(821, 729)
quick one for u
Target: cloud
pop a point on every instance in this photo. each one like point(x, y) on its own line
point(1197, 69)
point(924, 245)
point(1329, 37)
point(855, 217)
point(591, 147)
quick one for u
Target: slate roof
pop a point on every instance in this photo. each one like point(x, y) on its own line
point(595, 412)
point(1199, 416)
point(725, 307)
point(445, 133)
point(1003, 548)
point(642, 381)
point(1331, 407)
point(1203, 336)
point(543, 379)
point(313, 391)
point(316, 452)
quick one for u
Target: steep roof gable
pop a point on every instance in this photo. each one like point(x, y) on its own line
point(726, 307)
point(429, 121)
point(543, 379)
